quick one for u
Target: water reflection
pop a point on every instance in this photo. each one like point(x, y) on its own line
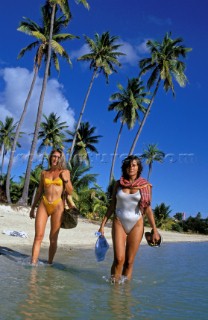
point(57, 291)
point(75, 288)
point(44, 292)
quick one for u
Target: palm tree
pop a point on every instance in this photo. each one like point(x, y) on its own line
point(179, 216)
point(41, 35)
point(151, 154)
point(84, 2)
point(81, 181)
point(103, 56)
point(92, 202)
point(64, 7)
point(161, 213)
point(100, 202)
point(165, 65)
point(85, 141)
point(51, 132)
point(128, 103)
point(63, 4)
point(16, 189)
point(3, 198)
point(34, 182)
point(79, 178)
point(7, 134)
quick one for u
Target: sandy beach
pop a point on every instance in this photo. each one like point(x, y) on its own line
point(17, 219)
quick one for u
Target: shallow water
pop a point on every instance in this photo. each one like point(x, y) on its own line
point(169, 282)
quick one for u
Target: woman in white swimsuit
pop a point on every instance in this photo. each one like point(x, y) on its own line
point(130, 201)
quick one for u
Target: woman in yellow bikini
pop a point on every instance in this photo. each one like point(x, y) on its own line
point(52, 184)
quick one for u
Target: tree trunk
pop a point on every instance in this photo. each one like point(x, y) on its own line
point(24, 198)
point(114, 155)
point(33, 197)
point(144, 119)
point(2, 160)
point(36, 68)
point(149, 171)
point(81, 114)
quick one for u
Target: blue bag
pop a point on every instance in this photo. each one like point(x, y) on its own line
point(101, 247)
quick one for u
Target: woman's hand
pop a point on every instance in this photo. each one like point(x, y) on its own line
point(155, 236)
point(32, 214)
point(65, 176)
point(101, 230)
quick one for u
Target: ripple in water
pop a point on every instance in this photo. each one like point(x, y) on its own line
point(115, 280)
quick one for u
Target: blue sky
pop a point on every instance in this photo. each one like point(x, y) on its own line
point(177, 125)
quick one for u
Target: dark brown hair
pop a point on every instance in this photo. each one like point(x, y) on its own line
point(61, 162)
point(126, 164)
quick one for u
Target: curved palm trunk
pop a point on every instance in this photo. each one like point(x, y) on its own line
point(24, 198)
point(149, 171)
point(33, 197)
point(144, 119)
point(2, 160)
point(81, 114)
point(114, 155)
point(17, 135)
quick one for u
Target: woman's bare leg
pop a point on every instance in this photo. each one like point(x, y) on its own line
point(40, 224)
point(132, 245)
point(56, 219)
point(119, 240)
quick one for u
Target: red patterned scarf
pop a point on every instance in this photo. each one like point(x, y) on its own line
point(144, 187)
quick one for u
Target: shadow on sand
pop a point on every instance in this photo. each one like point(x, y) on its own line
point(12, 254)
point(81, 272)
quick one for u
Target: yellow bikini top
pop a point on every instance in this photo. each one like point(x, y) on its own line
point(57, 182)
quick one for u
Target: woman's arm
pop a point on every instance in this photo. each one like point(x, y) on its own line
point(111, 209)
point(65, 176)
point(148, 211)
point(37, 196)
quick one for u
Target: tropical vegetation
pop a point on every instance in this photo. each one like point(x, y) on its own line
point(129, 104)
point(103, 57)
point(7, 137)
point(41, 33)
point(165, 65)
point(132, 104)
point(85, 142)
point(151, 154)
point(51, 133)
point(53, 6)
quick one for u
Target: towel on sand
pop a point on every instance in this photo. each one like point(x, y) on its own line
point(13, 233)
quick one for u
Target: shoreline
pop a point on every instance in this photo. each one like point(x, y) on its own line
point(17, 219)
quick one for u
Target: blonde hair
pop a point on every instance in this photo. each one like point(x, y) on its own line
point(61, 162)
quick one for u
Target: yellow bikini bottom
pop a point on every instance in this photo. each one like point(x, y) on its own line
point(50, 205)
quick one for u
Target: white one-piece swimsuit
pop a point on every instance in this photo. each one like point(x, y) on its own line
point(127, 209)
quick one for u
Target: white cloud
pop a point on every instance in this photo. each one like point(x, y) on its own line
point(4, 112)
point(142, 47)
point(80, 52)
point(132, 52)
point(17, 83)
point(131, 55)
